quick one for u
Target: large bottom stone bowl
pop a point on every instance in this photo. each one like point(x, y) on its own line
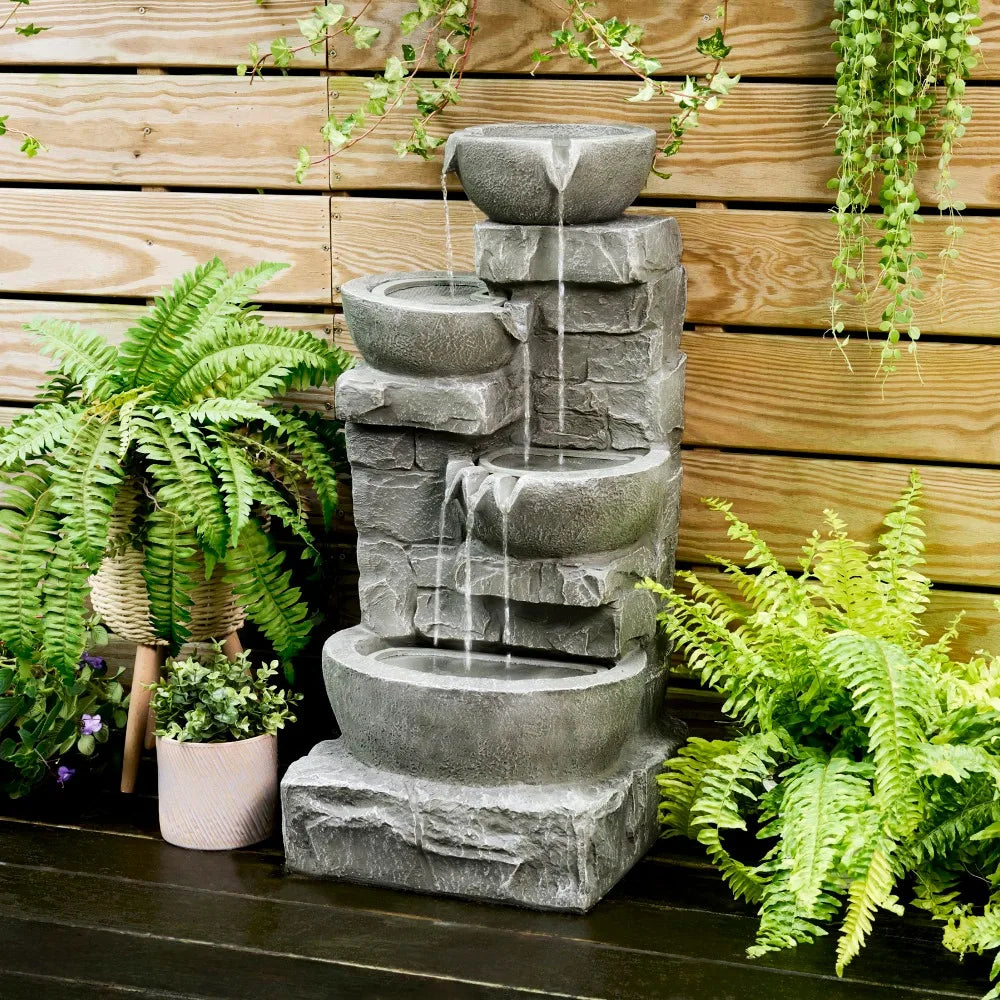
point(428, 323)
point(559, 504)
point(486, 720)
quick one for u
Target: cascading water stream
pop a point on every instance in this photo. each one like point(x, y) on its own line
point(561, 321)
point(470, 523)
point(449, 495)
point(526, 363)
point(448, 244)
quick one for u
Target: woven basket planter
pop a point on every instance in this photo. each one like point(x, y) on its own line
point(119, 595)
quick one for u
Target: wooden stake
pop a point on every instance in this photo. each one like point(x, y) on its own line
point(232, 646)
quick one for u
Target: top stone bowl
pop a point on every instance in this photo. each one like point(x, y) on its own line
point(519, 174)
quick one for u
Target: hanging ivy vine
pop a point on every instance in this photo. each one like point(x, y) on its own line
point(30, 145)
point(900, 84)
point(447, 29)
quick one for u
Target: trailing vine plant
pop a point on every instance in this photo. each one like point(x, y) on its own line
point(894, 58)
point(30, 145)
point(447, 29)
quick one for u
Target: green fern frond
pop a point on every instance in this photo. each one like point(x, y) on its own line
point(900, 555)
point(28, 528)
point(301, 438)
point(870, 891)
point(237, 483)
point(171, 570)
point(249, 361)
point(895, 693)
point(254, 571)
point(727, 787)
point(184, 483)
point(83, 355)
point(220, 411)
point(63, 630)
point(36, 433)
point(149, 347)
point(680, 783)
point(85, 478)
point(293, 516)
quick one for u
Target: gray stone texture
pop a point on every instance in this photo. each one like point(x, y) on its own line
point(467, 405)
point(387, 587)
point(380, 447)
point(655, 304)
point(535, 174)
point(482, 730)
point(412, 324)
point(551, 847)
point(403, 505)
point(625, 251)
point(568, 513)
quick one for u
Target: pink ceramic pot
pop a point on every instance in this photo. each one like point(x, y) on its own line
point(217, 796)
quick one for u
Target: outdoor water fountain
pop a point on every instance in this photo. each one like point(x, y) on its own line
point(514, 442)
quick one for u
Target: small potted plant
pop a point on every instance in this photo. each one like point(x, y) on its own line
point(217, 751)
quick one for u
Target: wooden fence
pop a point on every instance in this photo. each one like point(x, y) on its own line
point(160, 157)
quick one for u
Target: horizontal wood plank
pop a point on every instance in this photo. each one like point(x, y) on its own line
point(197, 131)
point(134, 243)
point(769, 37)
point(156, 33)
point(784, 498)
point(780, 393)
point(23, 367)
point(760, 268)
point(768, 142)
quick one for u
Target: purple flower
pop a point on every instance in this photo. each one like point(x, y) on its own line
point(64, 774)
point(90, 724)
point(96, 663)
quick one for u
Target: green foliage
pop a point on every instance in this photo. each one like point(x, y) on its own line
point(893, 58)
point(866, 756)
point(41, 715)
point(213, 700)
point(31, 146)
point(447, 29)
point(169, 439)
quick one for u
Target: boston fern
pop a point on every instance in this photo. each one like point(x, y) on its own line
point(868, 760)
point(168, 437)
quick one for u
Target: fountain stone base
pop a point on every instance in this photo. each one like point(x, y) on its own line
point(551, 847)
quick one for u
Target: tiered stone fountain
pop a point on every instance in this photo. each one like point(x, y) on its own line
point(514, 438)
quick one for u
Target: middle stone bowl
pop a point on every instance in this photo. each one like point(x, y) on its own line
point(567, 503)
point(428, 323)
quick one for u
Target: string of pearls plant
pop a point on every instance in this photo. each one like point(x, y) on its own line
point(900, 83)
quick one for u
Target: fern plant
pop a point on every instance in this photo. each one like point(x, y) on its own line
point(168, 438)
point(867, 760)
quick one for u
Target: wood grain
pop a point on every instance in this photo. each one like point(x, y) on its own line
point(134, 243)
point(769, 37)
point(23, 368)
point(759, 268)
point(780, 393)
point(155, 33)
point(197, 131)
point(784, 498)
point(768, 142)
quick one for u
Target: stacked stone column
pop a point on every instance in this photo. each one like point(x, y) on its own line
point(553, 842)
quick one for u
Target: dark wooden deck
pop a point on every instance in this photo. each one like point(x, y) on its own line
point(103, 908)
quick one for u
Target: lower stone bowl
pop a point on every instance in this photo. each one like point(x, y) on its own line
point(567, 503)
point(428, 323)
point(515, 173)
point(486, 719)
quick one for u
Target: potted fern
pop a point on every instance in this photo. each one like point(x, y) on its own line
point(148, 475)
point(867, 758)
point(216, 750)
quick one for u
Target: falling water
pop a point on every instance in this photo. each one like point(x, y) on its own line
point(449, 494)
point(449, 245)
point(470, 523)
point(561, 322)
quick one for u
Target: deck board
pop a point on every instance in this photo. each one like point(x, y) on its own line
point(106, 912)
